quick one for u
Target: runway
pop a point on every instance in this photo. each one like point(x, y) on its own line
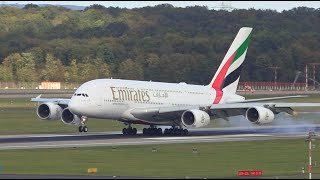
point(116, 139)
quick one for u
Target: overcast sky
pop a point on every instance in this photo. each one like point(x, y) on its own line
point(275, 5)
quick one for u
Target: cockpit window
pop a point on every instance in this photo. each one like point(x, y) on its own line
point(81, 94)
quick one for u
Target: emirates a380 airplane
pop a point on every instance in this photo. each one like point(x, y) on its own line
point(178, 105)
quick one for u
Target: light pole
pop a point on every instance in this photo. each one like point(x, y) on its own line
point(310, 139)
point(275, 69)
point(313, 72)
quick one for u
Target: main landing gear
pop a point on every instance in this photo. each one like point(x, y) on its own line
point(129, 131)
point(83, 127)
point(174, 131)
point(152, 131)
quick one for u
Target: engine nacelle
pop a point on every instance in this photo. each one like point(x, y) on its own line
point(49, 111)
point(68, 118)
point(195, 118)
point(259, 115)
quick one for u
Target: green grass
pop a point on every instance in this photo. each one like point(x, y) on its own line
point(27, 122)
point(280, 158)
point(24, 103)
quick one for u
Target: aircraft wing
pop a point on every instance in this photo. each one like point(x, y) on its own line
point(60, 101)
point(217, 110)
point(268, 99)
point(266, 105)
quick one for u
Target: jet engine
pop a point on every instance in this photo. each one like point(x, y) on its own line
point(259, 115)
point(49, 111)
point(68, 118)
point(195, 118)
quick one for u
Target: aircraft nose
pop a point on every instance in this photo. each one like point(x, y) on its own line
point(73, 106)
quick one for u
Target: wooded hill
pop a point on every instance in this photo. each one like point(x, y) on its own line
point(160, 43)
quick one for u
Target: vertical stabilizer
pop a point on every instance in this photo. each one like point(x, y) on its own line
point(227, 76)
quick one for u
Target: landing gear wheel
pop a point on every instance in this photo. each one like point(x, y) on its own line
point(166, 132)
point(134, 130)
point(185, 132)
point(124, 131)
point(129, 131)
point(83, 129)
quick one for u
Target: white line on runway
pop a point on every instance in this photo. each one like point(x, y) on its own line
point(139, 142)
point(58, 135)
point(204, 137)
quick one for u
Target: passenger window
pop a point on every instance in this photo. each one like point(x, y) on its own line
point(78, 94)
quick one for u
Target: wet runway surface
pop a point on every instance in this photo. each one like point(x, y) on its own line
point(117, 139)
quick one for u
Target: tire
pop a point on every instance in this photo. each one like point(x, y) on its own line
point(85, 129)
point(124, 131)
point(185, 132)
point(130, 131)
point(166, 132)
point(80, 128)
point(134, 131)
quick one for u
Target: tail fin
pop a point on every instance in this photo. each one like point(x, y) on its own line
point(228, 74)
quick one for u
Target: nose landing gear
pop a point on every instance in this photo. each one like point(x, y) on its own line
point(83, 127)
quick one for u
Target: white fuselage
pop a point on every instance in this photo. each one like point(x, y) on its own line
point(113, 98)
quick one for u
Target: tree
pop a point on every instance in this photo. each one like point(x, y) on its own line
point(88, 70)
point(10, 63)
point(26, 68)
point(117, 29)
point(178, 36)
point(104, 71)
point(53, 69)
point(74, 71)
point(29, 6)
point(151, 67)
point(96, 7)
point(104, 53)
point(21, 66)
point(5, 73)
point(129, 69)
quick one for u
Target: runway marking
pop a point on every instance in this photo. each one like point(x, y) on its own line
point(139, 142)
point(212, 137)
point(57, 135)
point(56, 142)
